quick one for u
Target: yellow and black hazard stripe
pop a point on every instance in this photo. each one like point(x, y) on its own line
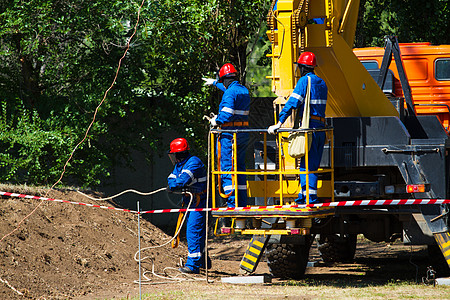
point(254, 252)
point(443, 240)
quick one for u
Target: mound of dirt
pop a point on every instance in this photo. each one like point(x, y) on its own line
point(66, 251)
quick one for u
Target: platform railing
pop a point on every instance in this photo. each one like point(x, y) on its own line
point(281, 171)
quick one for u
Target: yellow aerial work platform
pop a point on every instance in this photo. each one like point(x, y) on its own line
point(283, 189)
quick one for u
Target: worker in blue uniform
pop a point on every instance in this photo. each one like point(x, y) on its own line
point(318, 101)
point(233, 114)
point(189, 174)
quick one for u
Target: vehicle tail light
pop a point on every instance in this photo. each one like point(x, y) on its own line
point(226, 230)
point(415, 188)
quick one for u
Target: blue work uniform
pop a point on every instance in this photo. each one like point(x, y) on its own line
point(191, 173)
point(318, 104)
point(233, 114)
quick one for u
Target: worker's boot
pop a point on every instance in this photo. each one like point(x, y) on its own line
point(186, 270)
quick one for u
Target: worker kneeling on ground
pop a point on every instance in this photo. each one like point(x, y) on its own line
point(318, 101)
point(233, 114)
point(189, 174)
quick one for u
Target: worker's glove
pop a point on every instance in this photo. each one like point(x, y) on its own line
point(211, 115)
point(212, 121)
point(209, 81)
point(272, 129)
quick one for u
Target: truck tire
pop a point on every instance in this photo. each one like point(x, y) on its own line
point(334, 248)
point(287, 260)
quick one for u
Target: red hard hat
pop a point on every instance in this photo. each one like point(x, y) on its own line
point(227, 70)
point(307, 59)
point(179, 145)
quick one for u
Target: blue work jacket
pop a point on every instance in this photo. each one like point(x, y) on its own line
point(235, 104)
point(190, 173)
point(318, 101)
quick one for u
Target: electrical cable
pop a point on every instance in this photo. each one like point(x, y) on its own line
point(166, 276)
point(176, 233)
point(123, 192)
point(132, 191)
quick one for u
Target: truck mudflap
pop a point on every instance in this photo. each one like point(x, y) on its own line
point(436, 216)
point(443, 240)
point(254, 252)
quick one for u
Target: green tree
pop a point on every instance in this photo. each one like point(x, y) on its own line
point(409, 20)
point(58, 58)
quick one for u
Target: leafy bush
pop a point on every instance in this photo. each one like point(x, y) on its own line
point(34, 150)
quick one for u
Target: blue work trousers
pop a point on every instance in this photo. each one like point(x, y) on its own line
point(195, 235)
point(226, 164)
point(314, 158)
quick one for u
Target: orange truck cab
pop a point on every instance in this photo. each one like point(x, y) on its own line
point(427, 68)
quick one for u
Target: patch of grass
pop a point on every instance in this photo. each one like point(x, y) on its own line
point(23, 189)
point(307, 289)
point(159, 296)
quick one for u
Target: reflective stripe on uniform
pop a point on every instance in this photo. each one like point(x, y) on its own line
point(172, 175)
point(195, 254)
point(228, 110)
point(311, 192)
point(189, 173)
point(195, 180)
point(318, 101)
point(230, 187)
point(296, 96)
point(235, 112)
point(241, 112)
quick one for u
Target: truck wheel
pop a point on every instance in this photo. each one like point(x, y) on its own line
point(334, 248)
point(287, 260)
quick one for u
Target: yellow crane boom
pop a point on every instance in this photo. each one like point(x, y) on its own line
point(352, 91)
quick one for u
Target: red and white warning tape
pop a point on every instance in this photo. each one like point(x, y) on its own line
point(317, 205)
point(64, 201)
point(328, 204)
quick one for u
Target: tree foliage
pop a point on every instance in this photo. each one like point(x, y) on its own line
point(409, 20)
point(59, 57)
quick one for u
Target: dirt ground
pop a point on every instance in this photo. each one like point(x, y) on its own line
point(66, 251)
